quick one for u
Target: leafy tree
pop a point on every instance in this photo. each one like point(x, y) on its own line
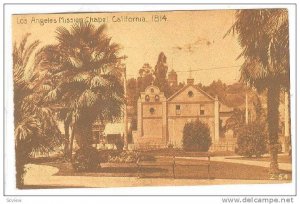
point(132, 92)
point(232, 95)
point(35, 126)
point(158, 77)
point(173, 89)
point(236, 121)
point(160, 72)
point(217, 88)
point(196, 136)
point(145, 78)
point(252, 139)
point(264, 37)
point(86, 71)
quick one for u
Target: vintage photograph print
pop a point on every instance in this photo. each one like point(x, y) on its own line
point(169, 98)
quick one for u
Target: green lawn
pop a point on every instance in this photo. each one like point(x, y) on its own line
point(182, 153)
point(281, 158)
point(218, 170)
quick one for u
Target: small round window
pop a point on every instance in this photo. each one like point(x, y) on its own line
point(152, 90)
point(152, 110)
point(190, 94)
point(147, 98)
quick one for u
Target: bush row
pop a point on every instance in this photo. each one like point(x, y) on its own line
point(89, 158)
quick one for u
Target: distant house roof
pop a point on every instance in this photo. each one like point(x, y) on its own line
point(114, 128)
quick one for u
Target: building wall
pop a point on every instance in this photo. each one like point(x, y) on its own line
point(190, 109)
point(151, 118)
point(153, 128)
point(157, 107)
point(165, 124)
point(190, 106)
point(152, 121)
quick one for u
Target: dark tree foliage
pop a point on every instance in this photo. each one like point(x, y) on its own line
point(236, 120)
point(86, 159)
point(35, 126)
point(232, 95)
point(252, 140)
point(132, 92)
point(160, 73)
point(145, 78)
point(196, 136)
point(251, 137)
point(264, 37)
point(86, 68)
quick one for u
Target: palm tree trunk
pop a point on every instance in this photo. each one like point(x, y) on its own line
point(70, 153)
point(67, 139)
point(83, 133)
point(23, 150)
point(273, 124)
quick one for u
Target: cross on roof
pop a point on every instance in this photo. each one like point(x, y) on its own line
point(190, 73)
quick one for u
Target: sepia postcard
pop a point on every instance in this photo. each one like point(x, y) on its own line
point(151, 98)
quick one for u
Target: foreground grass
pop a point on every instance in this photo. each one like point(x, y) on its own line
point(182, 153)
point(281, 158)
point(218, 170)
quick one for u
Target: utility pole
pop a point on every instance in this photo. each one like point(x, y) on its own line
point(125, 118)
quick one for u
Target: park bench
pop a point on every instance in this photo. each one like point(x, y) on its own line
point(175, 161)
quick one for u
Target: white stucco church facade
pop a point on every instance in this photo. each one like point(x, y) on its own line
point(161, 120)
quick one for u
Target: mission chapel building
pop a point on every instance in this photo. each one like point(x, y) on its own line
point(161, 120)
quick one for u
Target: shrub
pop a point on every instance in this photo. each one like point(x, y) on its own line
point(252, 140)
point(85, 159)
point(124, 157)
point(105, 155)
point(278, 146)
point(196, 136)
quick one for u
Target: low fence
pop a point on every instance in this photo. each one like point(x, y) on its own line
point(173, 163)
point(226, 146)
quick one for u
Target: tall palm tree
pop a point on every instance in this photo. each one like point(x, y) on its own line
point(35, 127)
point(86, 72)
point(65, 115)
point(263, 35)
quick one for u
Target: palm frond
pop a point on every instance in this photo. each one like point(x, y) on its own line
point(27, 128)
point(263, 35)
point(98, 81)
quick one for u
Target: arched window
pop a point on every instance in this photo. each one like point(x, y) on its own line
point(157, 98)
point(147, 98)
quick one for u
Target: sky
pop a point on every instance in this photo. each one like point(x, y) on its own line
point(191, 40)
